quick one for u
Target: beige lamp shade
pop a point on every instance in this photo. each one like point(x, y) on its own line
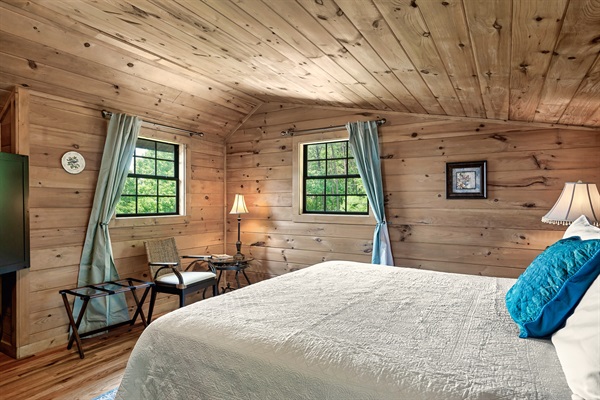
point(239, 205)
point(576, 199)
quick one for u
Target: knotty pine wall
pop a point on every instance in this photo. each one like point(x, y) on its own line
point(527, 167)
point(60, 205)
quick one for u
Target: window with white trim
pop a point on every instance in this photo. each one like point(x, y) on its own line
point(298, 214)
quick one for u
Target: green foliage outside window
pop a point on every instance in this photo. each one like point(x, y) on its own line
point(332, 184)
point(151, 185)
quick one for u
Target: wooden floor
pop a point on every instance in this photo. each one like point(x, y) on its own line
point(60, 373)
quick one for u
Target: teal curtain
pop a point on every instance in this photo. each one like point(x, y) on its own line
point(97, 262)
point(365, 146)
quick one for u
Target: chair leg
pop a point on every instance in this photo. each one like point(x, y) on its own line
point(151, 307)
point(181, 299)
point(215, 290)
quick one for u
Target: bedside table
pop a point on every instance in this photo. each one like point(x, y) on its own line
point(238, 266)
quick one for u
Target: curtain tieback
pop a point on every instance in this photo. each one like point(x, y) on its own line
point(103, 223)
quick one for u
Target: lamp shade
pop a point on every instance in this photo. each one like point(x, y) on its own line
point(239, 205)
point(576, 199)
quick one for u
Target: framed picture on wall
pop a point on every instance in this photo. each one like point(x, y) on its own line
point(466, 180)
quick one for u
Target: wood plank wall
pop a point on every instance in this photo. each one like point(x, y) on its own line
point(60, 205)
point(527, 163)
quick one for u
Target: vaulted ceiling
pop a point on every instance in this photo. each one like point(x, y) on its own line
point(207, 65)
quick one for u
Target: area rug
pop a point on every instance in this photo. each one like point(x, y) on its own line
point(110, 395)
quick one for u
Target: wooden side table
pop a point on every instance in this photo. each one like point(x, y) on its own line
point(230, 264)
point(86, 293)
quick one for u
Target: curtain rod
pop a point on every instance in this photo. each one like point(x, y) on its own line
point(292, 132)
point(108, 114)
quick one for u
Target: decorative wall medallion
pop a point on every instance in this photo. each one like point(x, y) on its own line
point(73, 162)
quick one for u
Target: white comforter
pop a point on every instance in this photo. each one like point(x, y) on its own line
point(343, 330)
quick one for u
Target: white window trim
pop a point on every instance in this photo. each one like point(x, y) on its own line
point(185, 173)
point(297, 174)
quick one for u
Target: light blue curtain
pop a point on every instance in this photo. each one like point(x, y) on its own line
point(365, 146)
point(97, 262)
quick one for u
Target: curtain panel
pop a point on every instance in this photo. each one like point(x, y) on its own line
point(364, 143)
point(97, 262)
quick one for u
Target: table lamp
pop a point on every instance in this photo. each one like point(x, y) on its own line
point(239, 207)
point(577, 198)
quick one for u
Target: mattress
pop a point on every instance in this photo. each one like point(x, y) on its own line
point(344, 330)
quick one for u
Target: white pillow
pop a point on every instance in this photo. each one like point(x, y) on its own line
point(582, 227)
point(578, 346)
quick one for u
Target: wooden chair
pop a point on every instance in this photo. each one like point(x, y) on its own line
point(165, 269)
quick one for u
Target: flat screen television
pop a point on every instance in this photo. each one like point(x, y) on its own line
point(14, 212)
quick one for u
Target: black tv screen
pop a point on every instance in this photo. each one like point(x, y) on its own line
point(14, 213)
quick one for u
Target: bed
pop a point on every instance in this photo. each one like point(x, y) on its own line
point(345, 330)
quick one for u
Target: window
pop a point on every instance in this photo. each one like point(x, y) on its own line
point(331, 182)
point(152, 186)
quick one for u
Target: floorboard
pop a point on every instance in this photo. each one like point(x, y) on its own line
point(59, 373)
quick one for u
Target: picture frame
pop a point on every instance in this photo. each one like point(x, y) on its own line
point(466, 180)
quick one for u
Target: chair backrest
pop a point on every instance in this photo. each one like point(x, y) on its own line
point(162, 251)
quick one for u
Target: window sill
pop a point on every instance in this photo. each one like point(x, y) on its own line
point(334, 219)
point(122, 222)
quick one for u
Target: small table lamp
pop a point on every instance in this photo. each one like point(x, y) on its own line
point(577, 198)
point(239, 207)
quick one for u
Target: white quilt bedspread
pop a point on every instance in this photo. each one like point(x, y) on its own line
point(343, 330)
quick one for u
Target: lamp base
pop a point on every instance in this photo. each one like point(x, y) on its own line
point(238, 257)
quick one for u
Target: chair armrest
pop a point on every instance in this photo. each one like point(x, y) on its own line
point(181, 284)
point(198, 262)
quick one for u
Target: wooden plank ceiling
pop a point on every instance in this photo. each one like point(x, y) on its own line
point(207, 65)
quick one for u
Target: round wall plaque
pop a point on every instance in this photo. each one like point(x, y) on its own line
point(73, 162)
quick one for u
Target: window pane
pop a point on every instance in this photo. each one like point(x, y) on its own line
point(147, 205)
point(315, 151)
point(352, 168)
point(336, 186)
point(129, 187)
point(167, 188)
point(147, 186)
point(315, 168)
point(358, 204)
point(166, 205)
point(336, 167)
point(335, 204)
point(144, 166)
point(336, 150)
point(165, 168)
point(315, 186)
point(355, 186)
point(165, 151)
point(126, 205)
point(145, 148)
point(315, 203)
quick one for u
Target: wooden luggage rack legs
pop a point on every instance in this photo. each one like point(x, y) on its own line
point(86, 293)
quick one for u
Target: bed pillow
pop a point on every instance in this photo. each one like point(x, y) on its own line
point(578, 346)
point(581, 227)
point(550, 288)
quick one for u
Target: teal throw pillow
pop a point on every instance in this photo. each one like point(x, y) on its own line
point(550, 288)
